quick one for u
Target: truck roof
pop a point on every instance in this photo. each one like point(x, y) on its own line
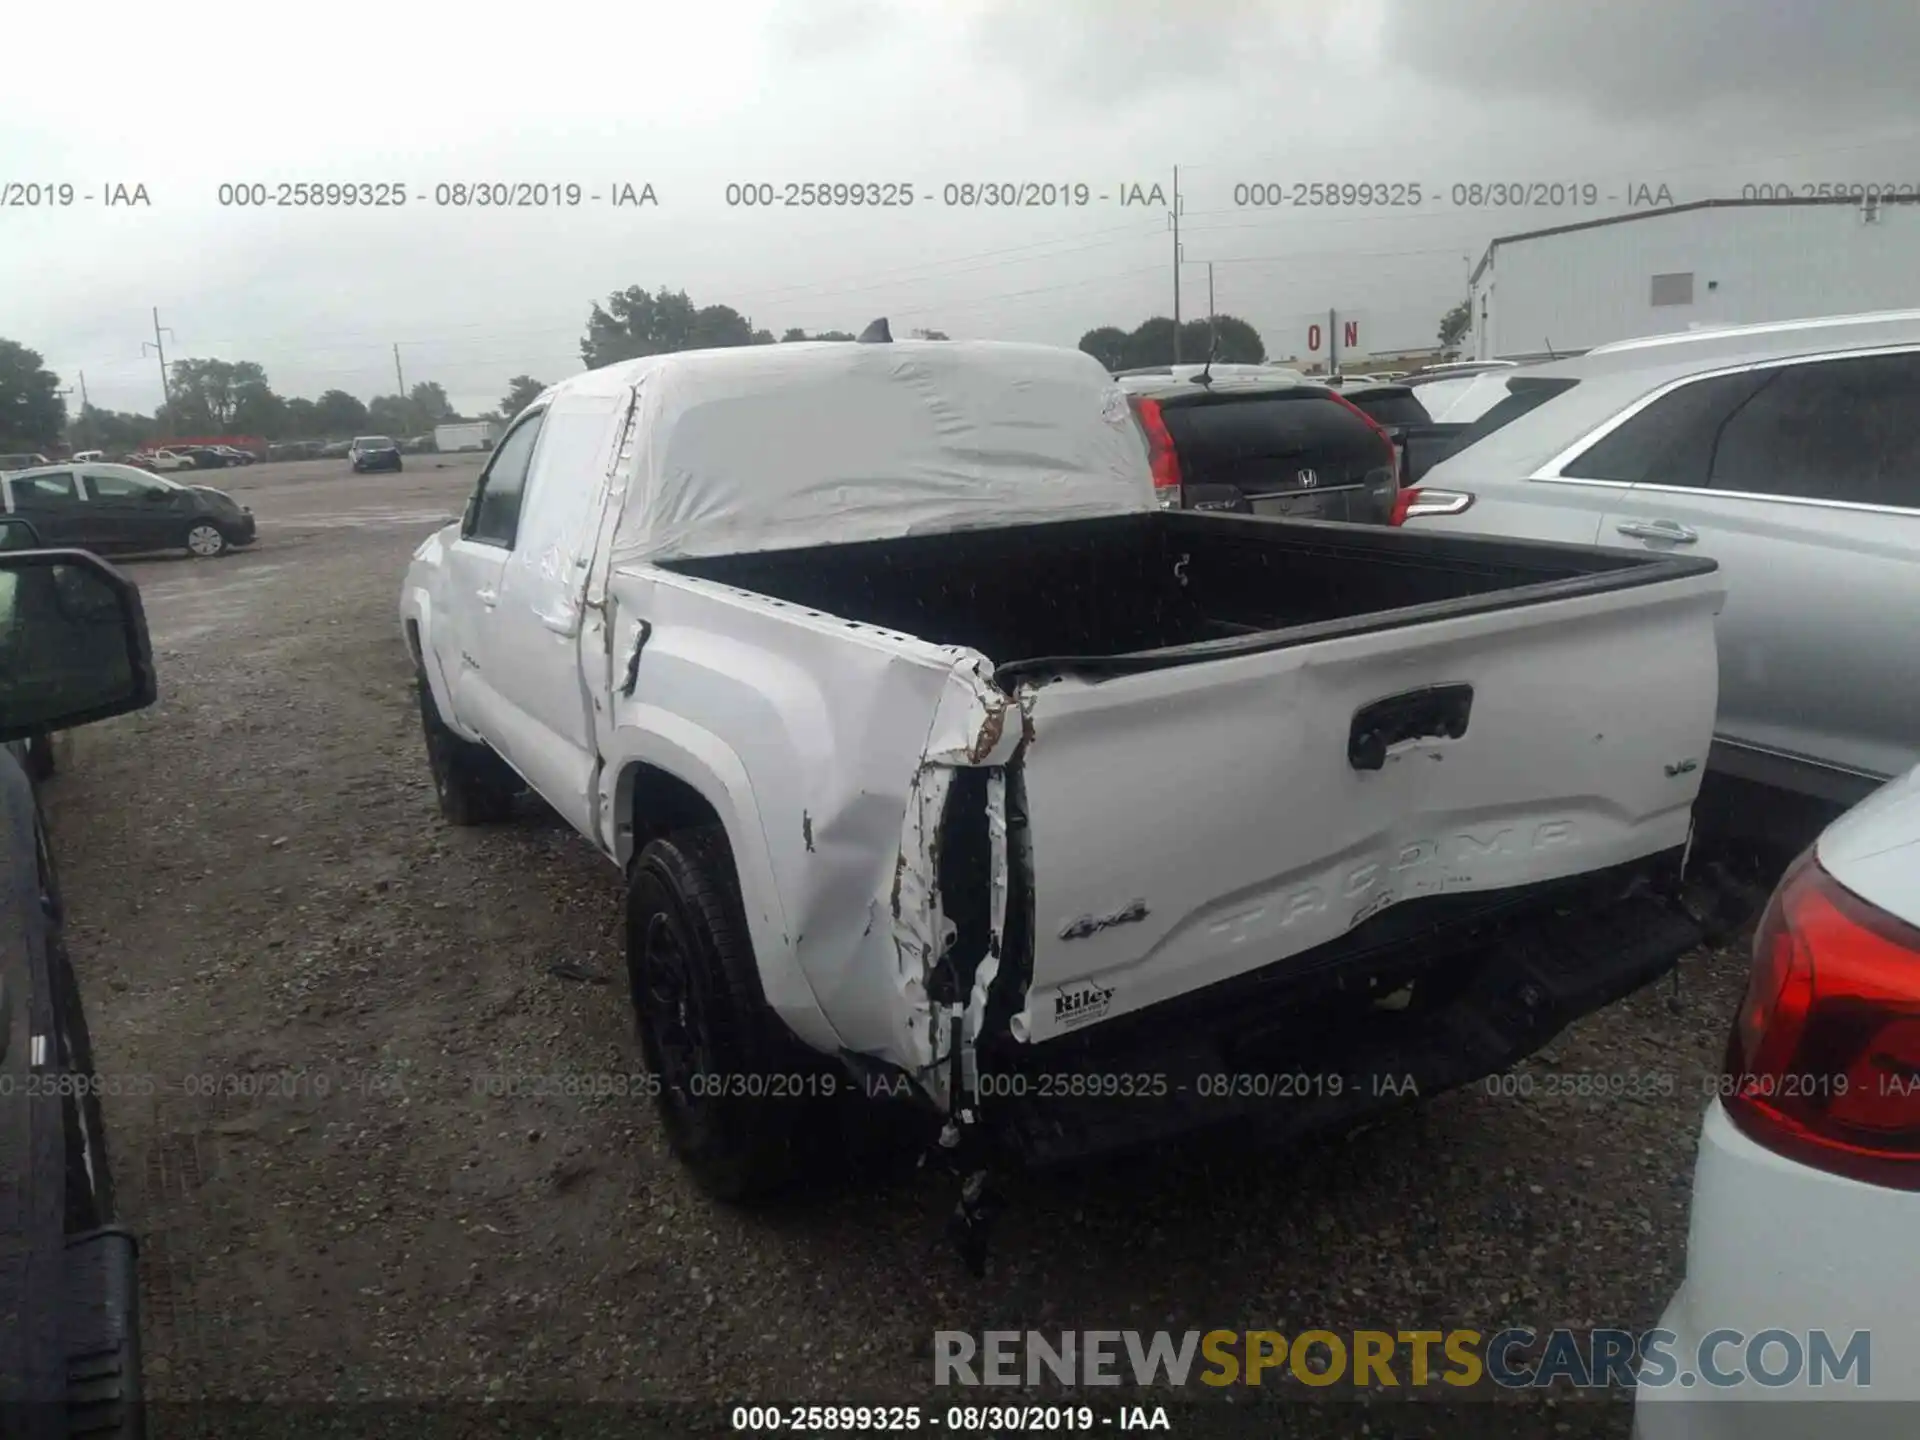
point(768, 447)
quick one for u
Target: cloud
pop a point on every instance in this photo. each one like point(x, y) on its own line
point(1103, 53)
point(808, 30)
point(1827, 63)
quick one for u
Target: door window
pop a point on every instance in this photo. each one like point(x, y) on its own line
point(56, 491)
point(1671, 441)
point(119, 487)
point(1829, 430)
point(493, 515)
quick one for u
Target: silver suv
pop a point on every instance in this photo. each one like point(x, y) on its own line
point(1788, 452)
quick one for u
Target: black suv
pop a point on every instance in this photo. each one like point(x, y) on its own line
point(1256, 446)
point(374, 452)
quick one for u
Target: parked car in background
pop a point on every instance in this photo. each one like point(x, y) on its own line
point(418, 445)
point(164, 460)
point(375, 452)
point(869, 729)
point(1263, 443)
point(74, 649)
point(334, 449)
point(1805, 1179)
point(206, 457)
point(82, 457)
point(1442, 369)
point(236, 456)
point(117, 509)
point(21, 461)
point(458, 435)
point(1460, 399)
point(1788, 452)
point(1186, 371)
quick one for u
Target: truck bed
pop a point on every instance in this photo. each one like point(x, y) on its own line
point(1134, 592)
point(1246, 738)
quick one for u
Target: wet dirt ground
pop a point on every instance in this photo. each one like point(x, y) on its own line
point(324, 1018)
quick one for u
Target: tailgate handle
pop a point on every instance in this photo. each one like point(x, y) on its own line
point(1437, 712)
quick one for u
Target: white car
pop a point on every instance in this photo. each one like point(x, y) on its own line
point(1804, 1203)
point(88, 457)
point(164, 460)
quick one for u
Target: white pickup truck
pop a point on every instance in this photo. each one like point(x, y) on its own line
point(941, 760)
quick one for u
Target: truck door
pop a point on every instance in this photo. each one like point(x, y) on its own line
point(545, 715)
point(474, 565)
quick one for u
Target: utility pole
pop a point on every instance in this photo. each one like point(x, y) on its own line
point(1174, 216)
point(1333, 346)
point(1467, 262)
point(85, 405)
point(398, 378)
point(1213, 339)
point(166, 395)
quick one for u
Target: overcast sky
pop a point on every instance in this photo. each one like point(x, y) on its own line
point(1701, 96)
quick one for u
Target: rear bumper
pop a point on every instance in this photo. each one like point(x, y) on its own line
point(1304, 1045)
point(378, 462)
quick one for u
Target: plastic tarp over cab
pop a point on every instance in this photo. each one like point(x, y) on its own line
point(779, 446)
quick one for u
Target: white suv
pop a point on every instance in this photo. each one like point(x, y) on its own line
point(1789, 453)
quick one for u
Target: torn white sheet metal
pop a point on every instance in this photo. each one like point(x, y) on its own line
point(811, 737)
point(922, 932)
point(983, 978)
point(776, 447)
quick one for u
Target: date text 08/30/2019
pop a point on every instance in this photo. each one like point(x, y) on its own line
point(860, 1420)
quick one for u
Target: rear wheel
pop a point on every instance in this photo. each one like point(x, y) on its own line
point(474, 786)
point(735, 1089)
point(205, 540)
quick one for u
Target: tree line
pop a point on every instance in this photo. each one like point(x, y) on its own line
point(1225, 338)
point(217, 397)
point(636, 322)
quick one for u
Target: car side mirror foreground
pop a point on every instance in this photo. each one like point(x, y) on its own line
point(74, 646)
point(17, 534)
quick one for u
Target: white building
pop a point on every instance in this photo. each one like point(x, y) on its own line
point(1715, 262)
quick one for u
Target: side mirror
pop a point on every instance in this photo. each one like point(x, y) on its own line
point(17, 534)
point(74, 646)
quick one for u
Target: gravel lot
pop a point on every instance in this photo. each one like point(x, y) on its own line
point(261, 893)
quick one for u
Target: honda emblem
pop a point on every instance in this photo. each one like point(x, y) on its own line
point(1308, 479)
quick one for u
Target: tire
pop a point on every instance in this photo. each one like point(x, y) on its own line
point(205, 540)
point(474, 786)
point(699, 1012)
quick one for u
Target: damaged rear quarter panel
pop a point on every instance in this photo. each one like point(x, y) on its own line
point(827, 740)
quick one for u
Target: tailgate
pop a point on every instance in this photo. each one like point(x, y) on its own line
point(1197, 821)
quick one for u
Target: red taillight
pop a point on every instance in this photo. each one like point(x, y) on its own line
point(1160, 452)
point(1422, 500)
point(1823, 1065)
